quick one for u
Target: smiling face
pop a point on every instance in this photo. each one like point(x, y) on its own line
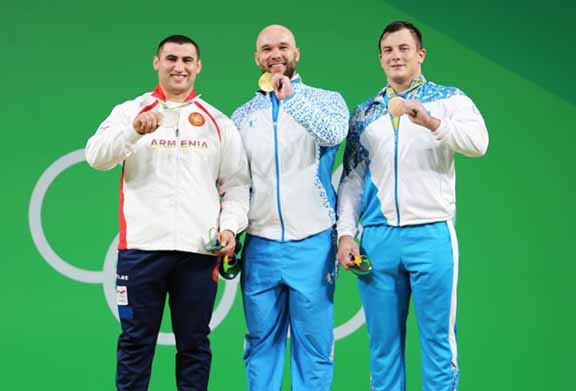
point(401, 58)
point(276, 51)
point(177, 66)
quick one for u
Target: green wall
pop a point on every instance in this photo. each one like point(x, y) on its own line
point(66, 64)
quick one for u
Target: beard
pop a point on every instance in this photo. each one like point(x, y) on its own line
point(289, 68)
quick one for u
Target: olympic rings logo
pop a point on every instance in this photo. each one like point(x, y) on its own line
point(107, 276)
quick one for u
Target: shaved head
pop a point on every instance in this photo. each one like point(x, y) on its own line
point(276, 50)
point(275, 32)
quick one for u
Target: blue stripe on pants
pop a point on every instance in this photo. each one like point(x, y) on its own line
point(289, 284)
point(418, 261)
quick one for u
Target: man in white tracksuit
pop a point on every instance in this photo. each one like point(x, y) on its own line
point(399, 180)
point(291, 135)
point(173, 147)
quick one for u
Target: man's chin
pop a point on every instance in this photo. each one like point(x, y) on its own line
point(180, 87)
point(398, 79)
point(178, 90)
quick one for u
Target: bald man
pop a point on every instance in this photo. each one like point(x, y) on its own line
point(291, 135)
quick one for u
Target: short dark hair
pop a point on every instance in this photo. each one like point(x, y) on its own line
point(179, 39)
point(401, 25)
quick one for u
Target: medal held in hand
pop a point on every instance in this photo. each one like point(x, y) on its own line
point(265, 82)
point(396, 106)
point(230, 267)
point(213, 244)
point(362, 265)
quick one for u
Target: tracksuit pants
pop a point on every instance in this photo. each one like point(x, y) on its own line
point(144, 278)
point(419, 261)
point(289, 286)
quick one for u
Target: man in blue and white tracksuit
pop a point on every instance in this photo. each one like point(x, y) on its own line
point(399, 180)
point(291, 135)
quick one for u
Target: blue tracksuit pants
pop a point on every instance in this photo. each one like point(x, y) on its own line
point(144, 278)
point(419, 262)
point(289, 285)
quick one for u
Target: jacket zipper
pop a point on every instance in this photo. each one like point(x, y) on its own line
point(408, 94)
point(176, 205)
point(275, 112)
point(396, 125)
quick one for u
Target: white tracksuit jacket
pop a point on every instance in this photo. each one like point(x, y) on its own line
point(168, 194)
point(406, 177)
point(291, 146)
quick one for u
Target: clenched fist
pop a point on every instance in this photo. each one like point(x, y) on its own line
point(418, 114)
point(147, 122)
point(282, 86)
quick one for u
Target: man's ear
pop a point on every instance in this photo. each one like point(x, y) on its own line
point(421, 55)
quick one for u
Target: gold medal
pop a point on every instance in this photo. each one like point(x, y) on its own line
point(396, 106)
point(265, 82)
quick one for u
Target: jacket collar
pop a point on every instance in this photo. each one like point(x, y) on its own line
point(387, 92)
point(158, 93)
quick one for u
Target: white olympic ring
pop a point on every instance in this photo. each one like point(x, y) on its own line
point(107, 277)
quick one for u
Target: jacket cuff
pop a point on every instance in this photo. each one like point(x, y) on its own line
point(441, 134)
point(230, 226)
point(346, 232)
point(132, 135)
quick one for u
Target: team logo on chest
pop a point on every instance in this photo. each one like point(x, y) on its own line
point(196, 119)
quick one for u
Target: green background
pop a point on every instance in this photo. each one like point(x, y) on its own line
point(65, 65)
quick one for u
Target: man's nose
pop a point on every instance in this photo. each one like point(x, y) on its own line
point(179, 65)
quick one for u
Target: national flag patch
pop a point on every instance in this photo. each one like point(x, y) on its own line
point(196, 119)
point(122, 295)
